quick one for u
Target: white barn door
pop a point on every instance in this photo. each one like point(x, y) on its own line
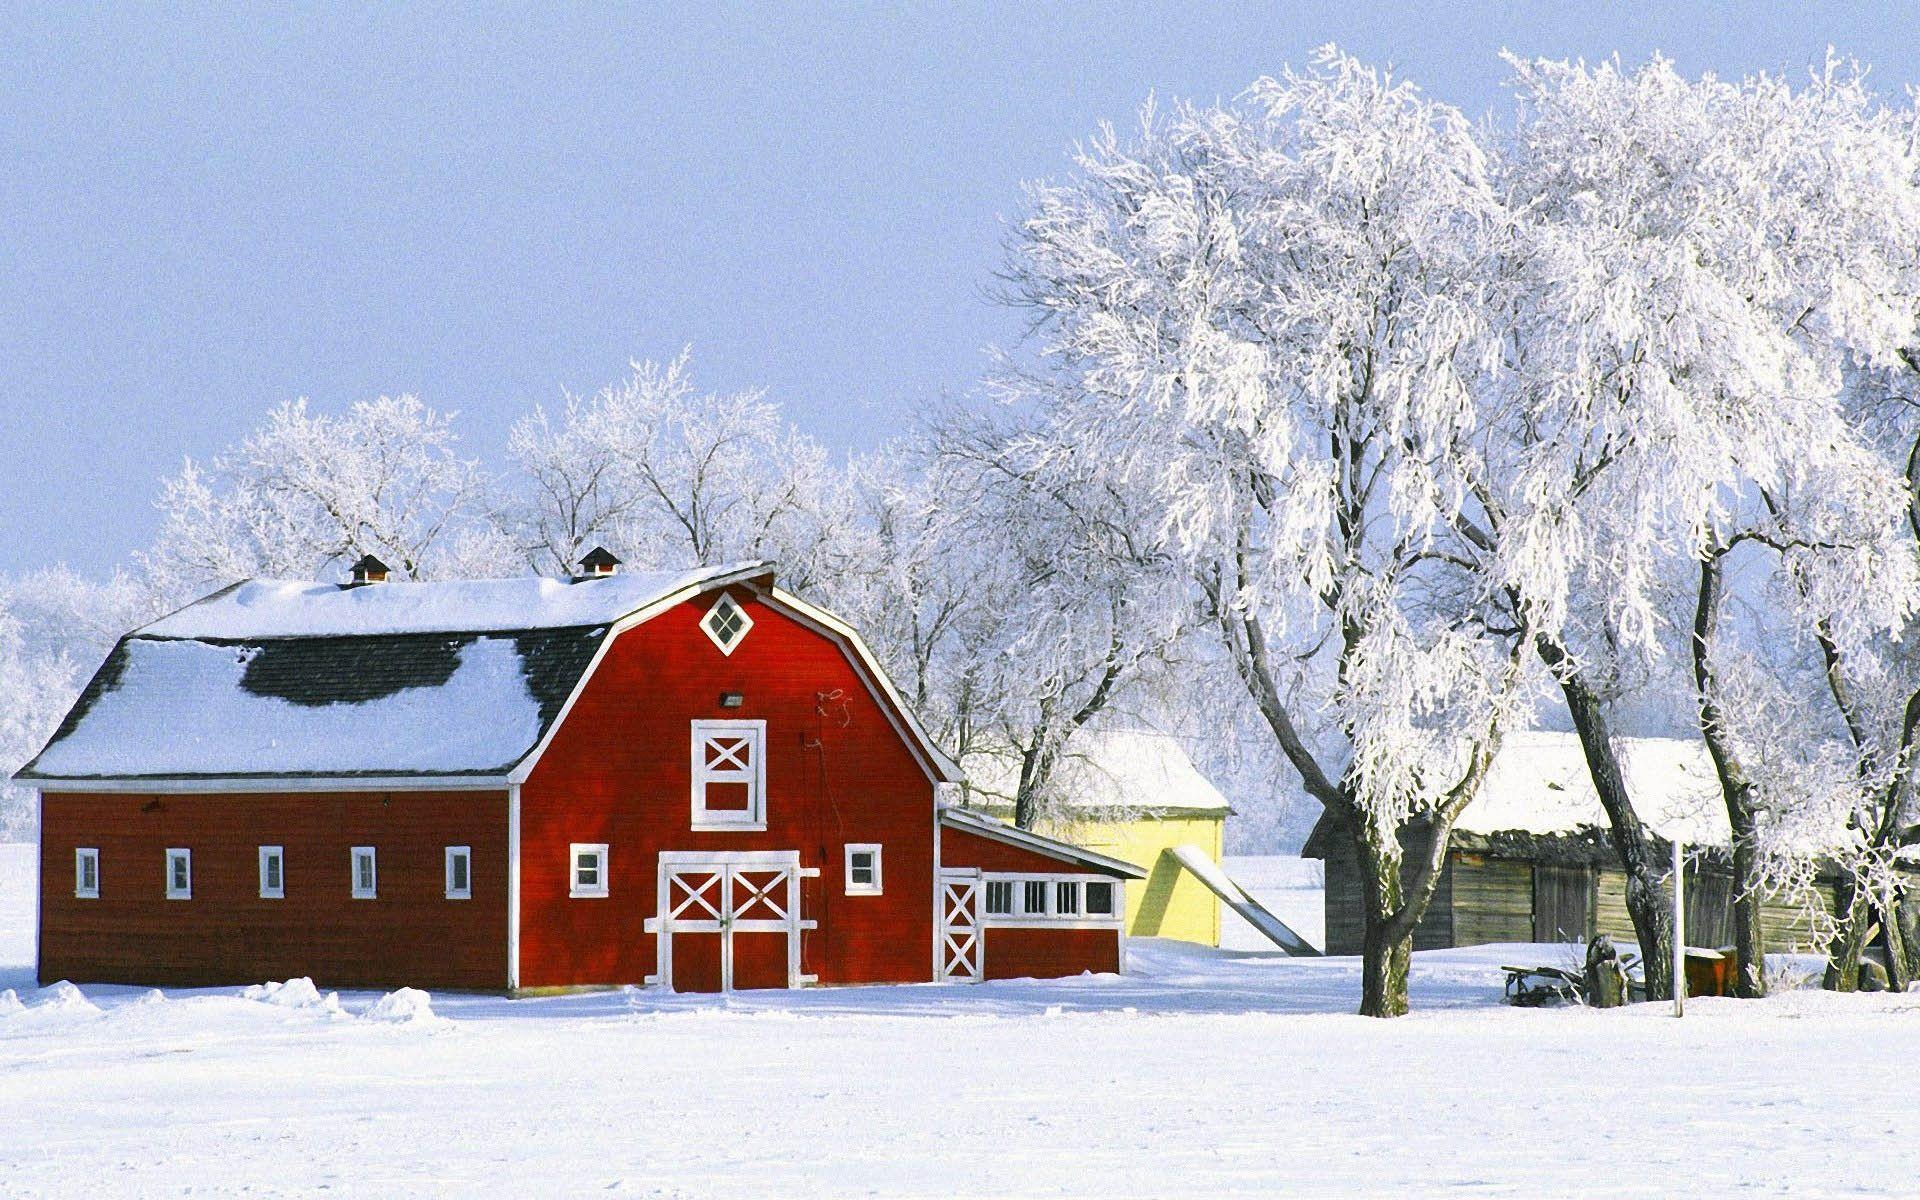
point(729, 919)
point(961, 941)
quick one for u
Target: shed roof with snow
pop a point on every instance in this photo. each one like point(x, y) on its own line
point(1134, 772)
point(288, 679)
point(1538, 799)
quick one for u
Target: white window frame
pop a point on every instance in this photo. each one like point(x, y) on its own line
point(85, 857)
point(277, 855)
point(1013, 898)
point(180, 854)
point(372, 855)
point(724, 603)
point(863, 889)
point(754, 775)
point(1063, 888)
point(1052, 917)
point(1116, 901)
point(464, 854)
point(596, 891)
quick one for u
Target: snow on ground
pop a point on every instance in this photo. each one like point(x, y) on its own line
point(1203, 1073)
point(1286, 885)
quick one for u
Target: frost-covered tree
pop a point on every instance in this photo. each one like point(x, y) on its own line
point(310, 492)
point(55, 628)
point(1263, 326)
point(666, 475)
point(1073, 610)
point(1691, 263)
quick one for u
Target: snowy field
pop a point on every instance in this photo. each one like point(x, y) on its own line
point(1204, 1074)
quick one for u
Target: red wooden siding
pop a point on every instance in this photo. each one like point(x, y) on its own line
point(1023, 952)
point(618, 771)
point(228, 934)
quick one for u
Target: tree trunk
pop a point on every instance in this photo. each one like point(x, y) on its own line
point(1386, 946)
point(1843, 953)
point(1648, 902)
point(1736, 788)
point(1906, 916)
point(1899, 951)
point(1749, 932)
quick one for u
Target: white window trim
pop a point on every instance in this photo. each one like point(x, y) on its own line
point(459, 893)
point(353, 867)
point(185, 854)
point(754, 819)
point(1052, 918)
point(82, 857)
point(864, 889)
point(574, 851)
point(746, 624)
point(1012, 899)
point(268, 892)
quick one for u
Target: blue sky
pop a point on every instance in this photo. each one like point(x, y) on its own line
point(204, 214)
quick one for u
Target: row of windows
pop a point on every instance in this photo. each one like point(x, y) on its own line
point(363, 873)
point(1042, 897)
point(588, 876)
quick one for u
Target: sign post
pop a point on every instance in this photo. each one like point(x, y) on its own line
point(1679, 930)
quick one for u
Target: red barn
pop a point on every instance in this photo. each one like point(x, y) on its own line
point(693, 779)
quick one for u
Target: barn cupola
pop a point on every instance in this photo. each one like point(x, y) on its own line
point(368, 570)
point(598, 561)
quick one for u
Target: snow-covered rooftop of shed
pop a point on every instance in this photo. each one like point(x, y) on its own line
point(276, 608)
point(1134, 769)
point(1539, 784)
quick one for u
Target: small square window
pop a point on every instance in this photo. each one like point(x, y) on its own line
point(1033, 899)
point(589, 869)
point(86, 873)
point(863, 869)
point(366, 874)
point(273, 883)
point(999, 897)
point(1099, 899)
point(179, 874)
point(726, 623)
point(459, 873)
point(1066, 899)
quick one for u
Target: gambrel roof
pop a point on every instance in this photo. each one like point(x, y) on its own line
point(276, 679)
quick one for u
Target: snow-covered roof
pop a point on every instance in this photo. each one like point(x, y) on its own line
point(278, 678)
point(277, 608)
point(1539, 784)
point(1138, 770)
point(189, 708)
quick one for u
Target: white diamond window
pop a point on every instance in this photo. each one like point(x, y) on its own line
point(726, 623)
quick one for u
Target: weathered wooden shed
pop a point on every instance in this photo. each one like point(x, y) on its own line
point(1531, 859)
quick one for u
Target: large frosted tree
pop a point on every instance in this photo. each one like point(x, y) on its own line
point(1693, 264)
point(1266, 323)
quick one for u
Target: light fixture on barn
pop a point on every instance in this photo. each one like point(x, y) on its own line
point(732, 699)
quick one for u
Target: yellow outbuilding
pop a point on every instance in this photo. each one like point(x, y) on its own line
point(1134, 795)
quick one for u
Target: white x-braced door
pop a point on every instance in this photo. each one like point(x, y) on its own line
point(729, 920)
point(961, 940)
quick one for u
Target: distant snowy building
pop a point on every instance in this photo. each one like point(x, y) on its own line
point(1532, 860)
point(687, 778)
point(1135, 795)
